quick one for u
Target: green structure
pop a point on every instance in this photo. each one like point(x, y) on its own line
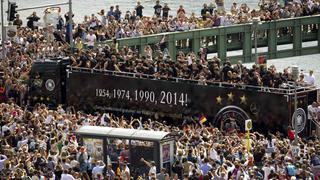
point(278, 39)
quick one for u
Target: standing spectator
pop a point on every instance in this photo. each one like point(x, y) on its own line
point(267, 169)
point(3, 158)
point(234, 9)
point(31, 19)
point(220, 6)
point(206, 167)
point(109, 173)
point(151, 165)
point(139, 9)
point(110, 12)
point(211, 7)
point(310, 79)
point(291, 133)
point(157, 9)
point(17, 21)
point(117, 13)
point(124, 171)
point(313, 111)
point(165, 11)
point(290, 169)
point(98, 169)
point(177, 168)
point(91, 39)
point(66, 16)
point(204, 12)
point(66, 176)
point(162, 174)
point(81, 158)
point(181, 12)
point(315, 164)
point(103, 17)
point(60, 23)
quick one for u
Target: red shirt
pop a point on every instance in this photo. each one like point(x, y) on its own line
point(291, 134)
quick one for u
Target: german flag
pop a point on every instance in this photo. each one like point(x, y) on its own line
point(202, 119)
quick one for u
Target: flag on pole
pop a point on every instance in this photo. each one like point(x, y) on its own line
point(202, 119)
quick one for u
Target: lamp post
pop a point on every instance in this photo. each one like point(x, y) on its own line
point(255, 22)
point(70, 25)
point(295, 115)
point(2, 31)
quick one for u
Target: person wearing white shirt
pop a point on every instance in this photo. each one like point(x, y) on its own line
point(310, 78)
point(267, 170)
point(312, 111)
point(98, 169)
point(152, 165)
point(3, 158)
point(22, 142)
point(66, 176)
point(91, 39)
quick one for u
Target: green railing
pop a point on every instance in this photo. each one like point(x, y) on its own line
point(292, 32)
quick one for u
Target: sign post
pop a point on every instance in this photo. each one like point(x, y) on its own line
point(248, 127)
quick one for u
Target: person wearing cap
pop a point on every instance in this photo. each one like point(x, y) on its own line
point(151, 165)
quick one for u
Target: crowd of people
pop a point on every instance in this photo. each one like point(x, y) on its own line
point(32, 43)
point(156, 62)
point(42, 144)
point(113, 23)
point(189, 66)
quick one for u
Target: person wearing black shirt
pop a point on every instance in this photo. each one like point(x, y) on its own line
point(227, 67)
point(83, 59)
point(165, 11)
point(204, 11)
point(117, 13)
point(138, 9)
point(66, 16)
point(157, 9)
point(17, 21)
point(31, 19)
point(266, 80)
point(178, 169)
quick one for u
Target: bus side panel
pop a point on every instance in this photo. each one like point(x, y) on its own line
point(91, 92)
